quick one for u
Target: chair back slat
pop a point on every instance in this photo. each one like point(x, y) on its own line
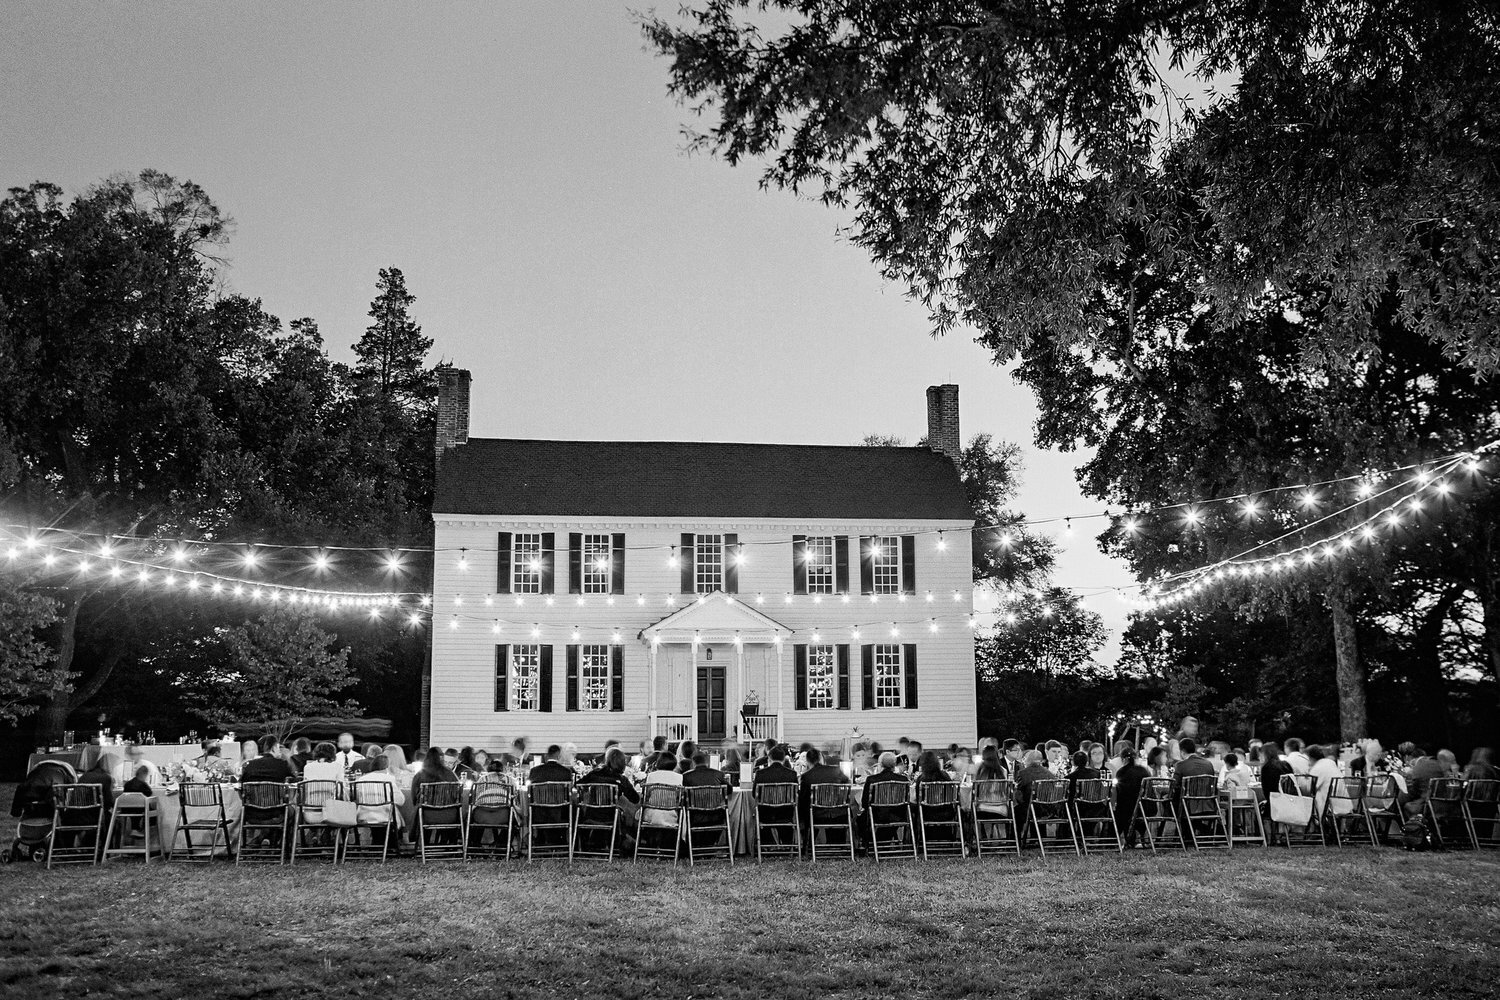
point(831, 796)
point(201, 794)
point(598, 795)
point(887, 793)
point(1446, 789)
point(440, 794)
point(373, 793)
point(1482, 790)
point(1200, 786)
point(659, 795)
point(77, 796)
point(778, 794)
point(550, 793)
point(493, 794)
point(1091, 791)
point(265, 794)
point(1049, 791)
point(994, 791)
point(313, 793)
point(1352, 789)
point(1156, 790)
point(1380, 792)
point(706, 796)
point(939, 793)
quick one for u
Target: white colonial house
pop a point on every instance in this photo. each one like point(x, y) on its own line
point(587, 590)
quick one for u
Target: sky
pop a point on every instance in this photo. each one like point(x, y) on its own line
point(524, 166)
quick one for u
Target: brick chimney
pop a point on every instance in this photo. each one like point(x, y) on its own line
point(942, 420)
point(452, 409)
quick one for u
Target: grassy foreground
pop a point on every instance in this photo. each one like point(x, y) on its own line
point(1331, 924)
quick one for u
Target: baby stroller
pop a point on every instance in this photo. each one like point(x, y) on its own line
point(33, 805)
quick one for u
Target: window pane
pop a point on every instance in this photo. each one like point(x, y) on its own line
point(526, 564)
point(820, 568)
point(889, 689)
point(593, 678)
point(708, 563)
point(596, 558)
point(887, 564)
point(525, 677)
point(822, 672)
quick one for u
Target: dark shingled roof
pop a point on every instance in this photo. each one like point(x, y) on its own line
point(625, 479)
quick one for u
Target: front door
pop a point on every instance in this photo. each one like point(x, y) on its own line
point(710, 702)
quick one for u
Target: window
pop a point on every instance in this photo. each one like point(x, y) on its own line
point(596, 556)
point(822, 675)
point(526, 564)
point(525, 678)
point(888, 676)
point(820, 566)
point(886, 550)
point(593, 678)
point(708, 563)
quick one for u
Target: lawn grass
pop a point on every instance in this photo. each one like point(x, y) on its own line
point(1324, 923)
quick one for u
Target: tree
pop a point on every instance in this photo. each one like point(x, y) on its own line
point(392, 351)
point(995, 156)
point(270, 674)
point(28, 667)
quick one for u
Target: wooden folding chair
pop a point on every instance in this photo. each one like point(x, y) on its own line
point(492, 813)
point(77, 825)
point(1344, 812)
point(1311, 835)
point(1444, 806)
point(133, 808)
point(201, 806)
point(706, 815)
point(1156, 813)
point(264, 820)
point(775, 815)
point(596, 820)
point(887, 809)
point(1047, 808)
point(993, 806)
point(312, 837)
point(550, 813)
point(1198, 804)
point(441, 830)
point(1382, 808)
point(940, 819)
point(831, 808)
point(665, 837)
point(1481, 809)
point(1093, 817)
point(1242, 816)
point(376, 814)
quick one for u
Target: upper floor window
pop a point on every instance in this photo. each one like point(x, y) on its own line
point(596, 566)
point(526, 563)
point(820, 564)
point(708, 563)
point(885, 551)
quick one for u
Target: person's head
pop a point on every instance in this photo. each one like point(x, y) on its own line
point(302, 745)
point(395, 758)
point(686, 749)
point(1270, 751)
point(903, 743)
point(1293, 745)
point(1373, 749)
point(432, 761)
point(666, 761)
point(481, 760)
point(210, 748)
point(1013, 749)
point(495, 766)
point(887, 761)
point(929, 763)
point(568, 754)
point(1189, 726)
point(371, 750)
point(1315, 753)
point(1231, 760)
point(614, 760)
point(325, 752)
point(1148, 743)
point(610, 743)
point(1032, 758)
point(1080, 758)
point(1121, 746)
point(107, 763)
point(777, 753)
point(1096, 755)
point(450, 757)
point(553, 751)
point(1156, 757)
point(658, 744)
point(989, 758)
point(1448, 759)
point(346, 741)
point(268, 744)
point(1127, 756)
point(249, 750)
point(1188, 746)
point(1481, 756)
point(518, 746)
point(143, 773)
point(1217, 748)
point(814, 756)
point(382, 762)
point(1056, 751)
point(135, 752)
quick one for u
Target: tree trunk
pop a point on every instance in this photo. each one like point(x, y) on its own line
point(1349, 673)
point(1491, 605)
point(1429, 687)
point(52, 717)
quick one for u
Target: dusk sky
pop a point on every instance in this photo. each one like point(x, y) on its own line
point(524, 166)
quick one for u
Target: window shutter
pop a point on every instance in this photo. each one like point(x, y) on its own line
point(842, 652)
point(572, 681)
point(617, 563)
point(841, 557)
point(866, 564)
point(908, 564)
point(685, 559)
point(575, 562)
point(549, 557)
point(502, 563)
point(799, 653)
point(544, 680)
point(799, 564)
point(502, 678)
point(867, 676)
point(731, 564)
point(909, 662)
point(617, 678)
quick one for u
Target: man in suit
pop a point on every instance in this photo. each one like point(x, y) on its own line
point(551, 770)
point(1193, 764)
point(703, 776)
point(268, 765)
point(776, 771)
point(818, 772)
point(1010, 758)
point(886, 774)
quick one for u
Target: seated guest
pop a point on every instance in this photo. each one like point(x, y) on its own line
point(380, 775)
point(764, 759)
point(102, 774)
point(1370, 760)
point(267, 765)
point(569, 755)
point(1272, 767)
point(961, 764)
point(1190, 764)
point(1158, 762)
point(611, 771)
point(450, 759)
point(1236, 777)
point(664, 772)
point(1129, 776)
point(930, 772)
point(465, 767)
point(1011, 753)
point(817, 773)
point(481, 762)
point(990, 767)
point(1057, 759)
point(1082, 771)
point(323, 766)
point(435, 770)
point(249, 750)
point(210, 755)
point(1299, 762)
point(702, 774)
point(301, 754)
point(776, 771)
point(1324, 769)
point(135, 759)
point(140, 784)
point(1096, 757)
point(913, 756)
point(346, 756)
point(686, 750)
point(1116, 762)
point(367, 763)
point(551, 770)
point(1033, 768)
point(731, 764)
point(1481, 767)
point(400, 773)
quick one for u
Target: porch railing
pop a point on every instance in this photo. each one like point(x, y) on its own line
point(674, 727)
point(761, 727)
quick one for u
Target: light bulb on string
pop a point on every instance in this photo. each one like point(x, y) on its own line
point(1309, 499)
point(178, 554)
point(1068, 526)
point(942, 542)
point(393, 563)
point(1365, 489)
point(463, 560)
point(672, 559)
point(250, 559)
point(320, 562)
point(49, 559)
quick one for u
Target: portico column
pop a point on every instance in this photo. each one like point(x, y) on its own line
point(780, 697)
point(739, 694)
point(693, 689)
point(651, 691)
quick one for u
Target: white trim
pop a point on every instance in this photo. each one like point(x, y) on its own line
point(839, 526)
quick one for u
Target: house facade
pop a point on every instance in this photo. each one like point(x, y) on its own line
point(588, 590)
